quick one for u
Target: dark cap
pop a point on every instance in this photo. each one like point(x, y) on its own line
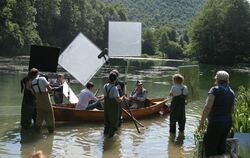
point(139, 83)
point(112, 77)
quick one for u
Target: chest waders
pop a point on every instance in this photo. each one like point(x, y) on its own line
point(177, 113)
point(28, 110)
point(111, 114)
point(44, 109)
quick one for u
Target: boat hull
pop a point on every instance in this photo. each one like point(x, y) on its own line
point(67, 112)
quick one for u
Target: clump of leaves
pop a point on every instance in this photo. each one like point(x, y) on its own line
point(241, 115)
point(199, 134)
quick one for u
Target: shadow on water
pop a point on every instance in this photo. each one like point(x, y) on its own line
point(111, 146)
point(87, 139)
point(25, 141)
point(176, 141)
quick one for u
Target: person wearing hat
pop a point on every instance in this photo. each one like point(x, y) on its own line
point(138, 96)
point(218, 109)
point(121, 89)
point(179, 93)
point(120, 84)
point(41, 87)
point(112, 102)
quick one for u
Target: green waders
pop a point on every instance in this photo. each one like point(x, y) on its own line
point(44, 112)
point(28, 110)
point(177, 113)
point(111, 115)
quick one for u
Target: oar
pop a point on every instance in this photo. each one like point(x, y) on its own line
point(96, 92)
point(127, 113)
point(132, 116)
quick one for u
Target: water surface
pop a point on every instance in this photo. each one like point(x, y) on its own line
point(87, 139)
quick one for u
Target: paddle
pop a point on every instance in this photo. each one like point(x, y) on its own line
point(96, 92)
point(127, 113)
point(126, 103)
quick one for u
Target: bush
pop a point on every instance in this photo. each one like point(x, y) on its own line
point(241, 115)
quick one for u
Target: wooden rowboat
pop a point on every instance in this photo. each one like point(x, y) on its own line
point(67, 112)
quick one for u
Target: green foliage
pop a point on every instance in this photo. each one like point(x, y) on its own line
point(17, 26)
point(47, 18)
point(156, 13)
point(220, 32)
point(53, 22)
point(163, 39)
point(149, 43)
point(241, 115)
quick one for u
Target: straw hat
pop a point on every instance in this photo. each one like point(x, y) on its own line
point(222, 75)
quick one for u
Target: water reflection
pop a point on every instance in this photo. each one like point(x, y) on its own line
point(32, 141)
point(87, 140)
point(111, 146)
point(176, 142)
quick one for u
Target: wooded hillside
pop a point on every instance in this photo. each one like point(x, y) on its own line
point(154, 13)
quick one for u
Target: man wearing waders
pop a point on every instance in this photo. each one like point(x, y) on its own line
point(111, 106)
point(28, 110)
point(179, 94)
point(121, 89)
point(40, 87)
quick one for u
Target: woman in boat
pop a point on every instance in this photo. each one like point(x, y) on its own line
point(58, 89)
point(138, 96)
point(40, 87)
point(112, 107)
point(218, 109)
point(28, 110)
point(179, 94)
point(86, 96)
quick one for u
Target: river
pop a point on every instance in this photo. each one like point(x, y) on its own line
point(87, 139)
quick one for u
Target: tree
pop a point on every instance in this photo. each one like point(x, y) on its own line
point(48, 14)
point(220, 32)
point(149, 43)
point(17, 26)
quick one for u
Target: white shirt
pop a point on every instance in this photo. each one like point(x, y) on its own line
point(176, 89)
point(43, 83)
point(85, 96)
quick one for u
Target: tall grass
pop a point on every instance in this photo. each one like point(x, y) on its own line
point(241, 115)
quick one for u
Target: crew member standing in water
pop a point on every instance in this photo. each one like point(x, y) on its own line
point(28, 110)
point(179, 94)
point(111, 106)
point(121, 89)
point(41, 88)
point(218, 109)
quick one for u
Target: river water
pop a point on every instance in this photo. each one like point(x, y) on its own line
point(87, 139)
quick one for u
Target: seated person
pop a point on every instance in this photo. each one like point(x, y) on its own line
point(58, 89)
point(138, 96)
point(86, 96)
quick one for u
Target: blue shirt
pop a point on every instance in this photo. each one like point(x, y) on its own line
point(223, 104)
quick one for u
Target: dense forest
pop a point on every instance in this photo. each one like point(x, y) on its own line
point(210, 31)
point(53, 23)
point(220, 33)
point(155, 13)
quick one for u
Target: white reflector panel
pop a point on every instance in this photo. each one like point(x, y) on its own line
point(69, 94)
point(124, 39)
point(80, 59)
